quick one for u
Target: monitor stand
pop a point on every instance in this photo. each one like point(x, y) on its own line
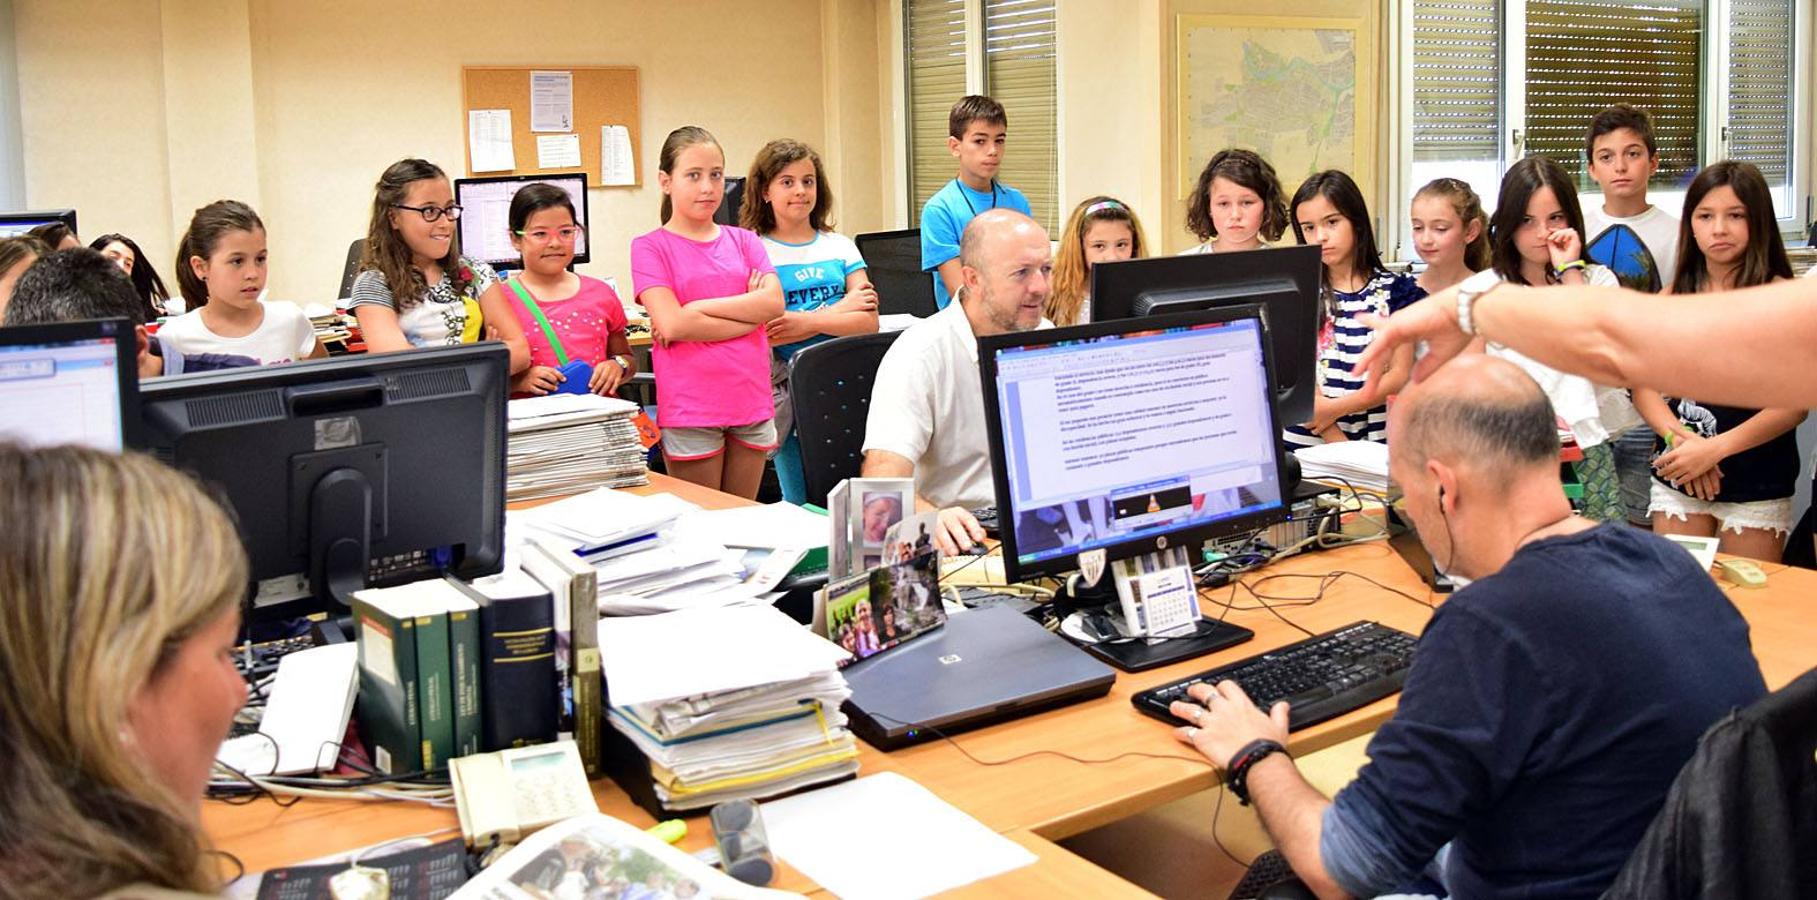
point(1102, 604)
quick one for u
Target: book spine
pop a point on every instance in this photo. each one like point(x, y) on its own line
point(387, 705)
point(463, 651)
point(434, 678)
point(584, 597)
point(518, 690)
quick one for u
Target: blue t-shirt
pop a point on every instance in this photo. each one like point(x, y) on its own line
point(813, 276)
point(943, 221)
point(1548, 710)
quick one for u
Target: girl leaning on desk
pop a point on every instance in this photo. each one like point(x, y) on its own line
point(120, 584)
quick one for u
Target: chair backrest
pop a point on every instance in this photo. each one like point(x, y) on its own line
point(893, 259)
point(351, 268)
point(830, 388)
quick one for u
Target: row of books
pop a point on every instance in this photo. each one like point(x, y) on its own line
point(561, 444)
point(448, 669)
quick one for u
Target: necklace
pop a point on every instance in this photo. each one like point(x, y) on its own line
point(968, 197)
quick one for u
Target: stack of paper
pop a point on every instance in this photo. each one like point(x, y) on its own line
point(1362, 463)
point(563, 443)
point(330, 326)
point(646, 564)
point(731, 703)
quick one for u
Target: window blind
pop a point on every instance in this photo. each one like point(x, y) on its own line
point(1760, 86)
point(934, 35)
point(1019, 47)
point(1583, 55)
point(1457, 76)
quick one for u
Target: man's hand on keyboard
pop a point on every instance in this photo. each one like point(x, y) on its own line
point(1223, 720)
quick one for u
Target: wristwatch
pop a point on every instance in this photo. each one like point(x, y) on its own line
point(624, 362)
point(1466, 299)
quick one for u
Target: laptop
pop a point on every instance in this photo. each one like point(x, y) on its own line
point(984, 665)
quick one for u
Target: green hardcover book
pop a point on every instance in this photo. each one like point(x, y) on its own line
point(435, 681)
point(574, 584)
point(463, 653)
point(385, 623)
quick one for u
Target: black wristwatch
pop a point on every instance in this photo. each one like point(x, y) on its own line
point(1236, 773)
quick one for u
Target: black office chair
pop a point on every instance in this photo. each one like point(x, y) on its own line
point(893, 259)
point(351, 268)
point(830, 388)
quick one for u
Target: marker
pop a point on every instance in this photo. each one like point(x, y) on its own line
point(669, 831)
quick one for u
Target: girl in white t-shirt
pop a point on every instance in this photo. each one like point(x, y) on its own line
point(221, 273)
point(1536, 238)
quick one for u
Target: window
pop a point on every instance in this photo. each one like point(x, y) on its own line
point(1495, 80)
point(1008, 55)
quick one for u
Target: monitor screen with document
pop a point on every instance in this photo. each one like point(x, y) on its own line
point(70, 383)
point(1131, 436)
point(485, 221)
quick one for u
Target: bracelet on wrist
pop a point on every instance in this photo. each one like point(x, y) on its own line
point(1573, 264)
point(1236, 772)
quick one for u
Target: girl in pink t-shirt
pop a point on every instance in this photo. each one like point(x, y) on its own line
point(575, 325)
point(709, 290)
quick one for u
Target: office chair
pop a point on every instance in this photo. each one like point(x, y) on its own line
point(351, 268)
point(830, 387)
point(893, 259)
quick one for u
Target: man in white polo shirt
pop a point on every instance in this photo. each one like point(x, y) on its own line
point(927, 406)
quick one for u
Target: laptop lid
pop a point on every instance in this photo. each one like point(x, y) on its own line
point(70, 383)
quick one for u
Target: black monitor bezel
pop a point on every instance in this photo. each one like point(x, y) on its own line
point(1017, 571)
point(586, 210)
point(126, 359)
point(42, 216)
point(1117, 286)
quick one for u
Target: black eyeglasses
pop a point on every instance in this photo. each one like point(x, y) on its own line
point(431, 213)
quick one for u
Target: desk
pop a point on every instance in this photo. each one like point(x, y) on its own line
point(1038, 800)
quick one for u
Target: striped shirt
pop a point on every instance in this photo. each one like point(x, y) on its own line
point(1342, 339)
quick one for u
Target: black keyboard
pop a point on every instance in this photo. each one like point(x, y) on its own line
point(987, 519)
point(1321, 677)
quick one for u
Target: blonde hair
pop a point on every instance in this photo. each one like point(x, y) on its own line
point(1469, 208)
point(110, 564)
point(1071, 274)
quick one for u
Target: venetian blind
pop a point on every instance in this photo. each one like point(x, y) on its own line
point(1457, 76)
point(1760, 86)
point(934, 35)
point(1019, 51)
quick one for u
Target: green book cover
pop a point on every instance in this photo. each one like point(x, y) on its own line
point(388, 701)
point(463, 651)
point(435, 686)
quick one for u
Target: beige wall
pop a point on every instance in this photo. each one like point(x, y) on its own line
point(136, 113)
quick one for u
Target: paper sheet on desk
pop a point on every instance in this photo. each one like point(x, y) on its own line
point(769, 526)
point(648, 659)
point(951, 849)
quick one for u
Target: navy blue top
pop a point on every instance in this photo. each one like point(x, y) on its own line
point(1547, 712)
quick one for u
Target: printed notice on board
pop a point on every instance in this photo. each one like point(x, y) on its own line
point(489, 140)
point(615, 164)
point(552, 101)
point(557, 151)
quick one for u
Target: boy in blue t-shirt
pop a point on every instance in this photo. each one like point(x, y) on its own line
point(976, 129)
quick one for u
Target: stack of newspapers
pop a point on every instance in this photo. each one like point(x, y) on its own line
point(727, 704)
point(565, 443)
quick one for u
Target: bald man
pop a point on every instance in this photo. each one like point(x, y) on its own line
point(1551, 702)
point(927, 405)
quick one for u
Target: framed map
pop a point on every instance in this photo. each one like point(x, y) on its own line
point(1299, 91)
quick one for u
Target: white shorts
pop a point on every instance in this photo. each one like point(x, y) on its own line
point(1766, 515)
point(686, 443)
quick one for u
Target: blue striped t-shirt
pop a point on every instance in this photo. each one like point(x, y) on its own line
point(1342, 339)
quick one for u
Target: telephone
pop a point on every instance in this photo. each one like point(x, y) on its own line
point(507, 795)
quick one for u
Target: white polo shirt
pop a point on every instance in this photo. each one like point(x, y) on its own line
point(927, 406)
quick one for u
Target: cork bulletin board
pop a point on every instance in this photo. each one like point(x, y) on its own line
point(603, 95)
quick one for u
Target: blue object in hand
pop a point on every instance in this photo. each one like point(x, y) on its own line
point(576, 376)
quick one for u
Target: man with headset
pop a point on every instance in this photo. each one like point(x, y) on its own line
point(1551, 701)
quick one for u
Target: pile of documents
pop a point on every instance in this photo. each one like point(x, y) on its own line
point(330, 327)
point(732, 703)
point(1363, 464)
point(660, 553)
point(562, 443)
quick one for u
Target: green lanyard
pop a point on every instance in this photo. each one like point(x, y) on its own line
point(555, 343)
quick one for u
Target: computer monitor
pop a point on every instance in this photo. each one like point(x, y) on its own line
point(486, 215)
point(70, 383)
point(1285, 281)
point(727, 214)
point(373, 469)
point(13, 224)
point(1131, 436)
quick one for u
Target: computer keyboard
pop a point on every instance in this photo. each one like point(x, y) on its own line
point(987, 519)
point(1321, 677)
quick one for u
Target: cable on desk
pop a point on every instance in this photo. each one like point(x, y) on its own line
point(1033, 753)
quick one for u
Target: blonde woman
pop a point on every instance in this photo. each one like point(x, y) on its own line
point(121, 583)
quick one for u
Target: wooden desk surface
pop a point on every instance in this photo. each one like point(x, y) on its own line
point(1013, 776)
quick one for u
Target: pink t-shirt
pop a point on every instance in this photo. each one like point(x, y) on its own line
point(716, 384)
point(583, 322)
